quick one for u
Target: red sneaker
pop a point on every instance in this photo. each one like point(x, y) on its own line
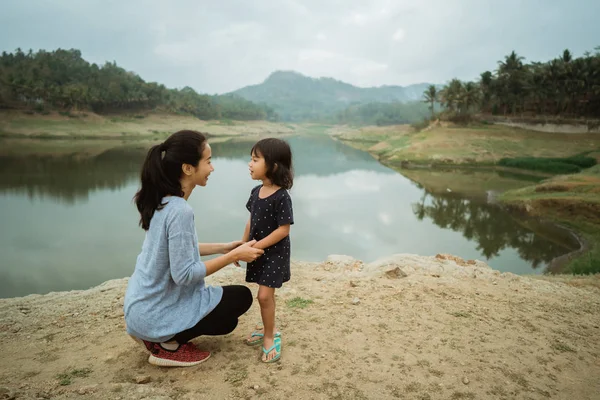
point(185, 356)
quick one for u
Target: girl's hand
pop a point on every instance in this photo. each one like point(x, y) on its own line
point(246, 252)
point(232, 245)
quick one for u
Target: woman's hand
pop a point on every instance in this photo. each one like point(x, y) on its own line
point(246, 252)
point(232, 245)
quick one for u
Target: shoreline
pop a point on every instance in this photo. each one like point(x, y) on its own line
point(403, 326)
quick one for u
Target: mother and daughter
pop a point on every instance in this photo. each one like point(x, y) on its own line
point(167, 302)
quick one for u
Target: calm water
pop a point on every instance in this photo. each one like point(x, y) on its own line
point(68, 221)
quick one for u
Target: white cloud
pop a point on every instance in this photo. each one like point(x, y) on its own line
point(398, 36)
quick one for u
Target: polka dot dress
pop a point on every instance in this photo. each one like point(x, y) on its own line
point(272, 269)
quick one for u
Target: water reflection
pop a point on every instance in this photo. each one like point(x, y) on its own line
point(68, 221)
point(494, 229)
point(69, 177)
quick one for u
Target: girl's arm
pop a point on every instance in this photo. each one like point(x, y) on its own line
point(207, 249)
point(245, 238)
point(273, 238)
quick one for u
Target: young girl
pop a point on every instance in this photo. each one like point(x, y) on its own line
point(167, 302)
point(271, 215)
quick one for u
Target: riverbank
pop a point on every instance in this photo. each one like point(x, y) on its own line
point(405, 326)
point(87, 125)
point(573, 201)
point(445, 144)
point(569, 200)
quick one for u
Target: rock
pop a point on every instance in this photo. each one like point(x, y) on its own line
point(255, 387)
point(7, 394)
point(87, 389)
point(353, 284)
point(141, 379)
point(395, 273)
point(465, 380)
point(355, 301)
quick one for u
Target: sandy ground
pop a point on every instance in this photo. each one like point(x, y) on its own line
point(408, 327)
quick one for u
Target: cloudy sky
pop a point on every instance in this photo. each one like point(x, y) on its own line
point(219, 46)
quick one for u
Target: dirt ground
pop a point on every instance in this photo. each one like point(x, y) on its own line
point(406, 326)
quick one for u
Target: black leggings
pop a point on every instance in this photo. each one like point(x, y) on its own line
point(223, 319)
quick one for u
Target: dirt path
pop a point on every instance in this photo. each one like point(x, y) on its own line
point(350, 330)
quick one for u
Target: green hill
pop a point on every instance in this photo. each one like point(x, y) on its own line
point(296, 97)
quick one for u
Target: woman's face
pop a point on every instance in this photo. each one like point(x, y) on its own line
point(200, 173)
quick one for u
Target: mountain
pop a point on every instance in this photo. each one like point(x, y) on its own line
point(296, 97)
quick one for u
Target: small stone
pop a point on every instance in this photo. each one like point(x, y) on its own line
point(255, 387)
point(353, 284)
point(355, 301)
point(395, 273)
point(465, 380)
point(141, 379)
point(494, 282)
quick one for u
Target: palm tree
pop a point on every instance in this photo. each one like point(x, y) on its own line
point(431, 96)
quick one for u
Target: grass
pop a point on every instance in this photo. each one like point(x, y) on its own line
point(562, 347)
point(298, 302)
point(66, 378)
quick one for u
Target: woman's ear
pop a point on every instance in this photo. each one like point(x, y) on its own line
point(187, 169)
point(275, 167)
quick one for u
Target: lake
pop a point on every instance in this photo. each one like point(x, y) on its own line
point(68, 220)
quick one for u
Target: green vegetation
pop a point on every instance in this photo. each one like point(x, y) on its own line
point(382, 114)
point(298, 302)
point(567, 165)
point(564, 86)
point(63, 80)
point(66, 378)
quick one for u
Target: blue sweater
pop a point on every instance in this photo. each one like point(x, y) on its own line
point(166, 293)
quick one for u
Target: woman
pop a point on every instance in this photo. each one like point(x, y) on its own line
point(167, 302)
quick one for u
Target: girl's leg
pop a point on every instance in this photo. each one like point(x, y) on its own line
point(266, 299)
point(223, 319)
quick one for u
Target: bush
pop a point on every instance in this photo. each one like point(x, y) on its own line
point(586, 264)
point(568, 165)
point(419, 126)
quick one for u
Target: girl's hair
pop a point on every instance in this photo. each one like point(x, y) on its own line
point(162, 170)
point(278, 157)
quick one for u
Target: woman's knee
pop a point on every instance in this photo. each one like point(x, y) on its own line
point(240, 297)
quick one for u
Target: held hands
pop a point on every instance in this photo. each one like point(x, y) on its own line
point(232, 245)
point(246, 252)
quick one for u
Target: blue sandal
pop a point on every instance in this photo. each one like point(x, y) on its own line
point(257, 337)
point(277, 347)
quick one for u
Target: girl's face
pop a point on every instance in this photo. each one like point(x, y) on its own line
point(257, 167)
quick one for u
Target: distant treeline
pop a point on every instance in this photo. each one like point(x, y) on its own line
point(564, 86)
point(63, 80)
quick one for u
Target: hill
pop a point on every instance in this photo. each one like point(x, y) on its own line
point(296, 97)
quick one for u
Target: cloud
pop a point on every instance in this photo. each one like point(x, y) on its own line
point(221, 46)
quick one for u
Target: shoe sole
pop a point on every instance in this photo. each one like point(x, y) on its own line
point(162, 362)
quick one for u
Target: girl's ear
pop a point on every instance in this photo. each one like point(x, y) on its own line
point(275, 167)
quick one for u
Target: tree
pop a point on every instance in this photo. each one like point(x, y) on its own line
point(430, 96)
